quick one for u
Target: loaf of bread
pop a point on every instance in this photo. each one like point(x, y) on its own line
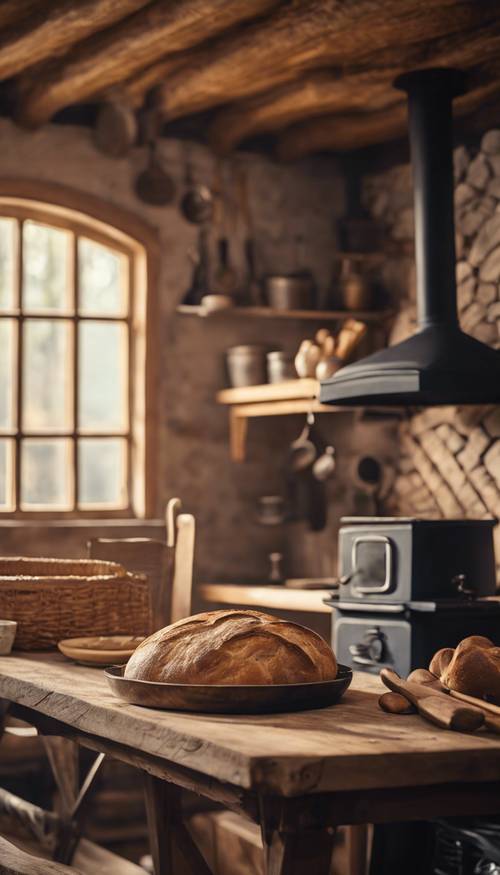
point(233, 647)
point(473, 667)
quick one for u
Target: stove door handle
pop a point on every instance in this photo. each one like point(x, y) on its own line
point(371, 651)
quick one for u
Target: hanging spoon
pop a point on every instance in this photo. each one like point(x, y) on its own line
point(153, 185)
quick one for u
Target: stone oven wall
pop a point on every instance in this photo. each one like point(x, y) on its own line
point(449, 463)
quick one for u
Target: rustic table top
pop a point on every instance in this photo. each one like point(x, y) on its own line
point(350, 746)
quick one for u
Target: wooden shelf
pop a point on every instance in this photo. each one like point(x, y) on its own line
point(290, 389)
point(270, 313)
point(271, 399)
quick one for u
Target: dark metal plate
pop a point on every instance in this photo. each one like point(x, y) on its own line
point(228, 698)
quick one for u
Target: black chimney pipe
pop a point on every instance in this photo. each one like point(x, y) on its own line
point(430, 95)
point(439, 364)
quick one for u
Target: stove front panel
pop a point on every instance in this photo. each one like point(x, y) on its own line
point(368, 643)
point(407, 640)
point(403, 560)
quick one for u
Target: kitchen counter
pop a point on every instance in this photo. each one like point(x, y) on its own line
point(266, 596)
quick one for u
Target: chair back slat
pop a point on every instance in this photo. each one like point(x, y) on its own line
point(149, 557)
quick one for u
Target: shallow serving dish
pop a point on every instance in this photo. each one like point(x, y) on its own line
point(100, 649)
point(229, 698)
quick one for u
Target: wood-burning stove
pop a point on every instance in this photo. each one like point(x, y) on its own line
point(410, 587)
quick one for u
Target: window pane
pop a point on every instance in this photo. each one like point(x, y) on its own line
point(103, 279)
point(46, 268)
point(102, 472)
point(8, 372)
point(46, 474)
point(103, 376)
point(8, 251)
point(7, 475)
point(47, 375)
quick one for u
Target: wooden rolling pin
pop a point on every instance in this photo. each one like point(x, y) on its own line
point(435, 706)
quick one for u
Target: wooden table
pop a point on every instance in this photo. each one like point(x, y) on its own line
point(297, 775)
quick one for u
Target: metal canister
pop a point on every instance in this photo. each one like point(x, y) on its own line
point(246, 365)
point(280, 367)
point(292, 292)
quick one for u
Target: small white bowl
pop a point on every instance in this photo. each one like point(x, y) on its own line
point(8, 629)
point(216, 302)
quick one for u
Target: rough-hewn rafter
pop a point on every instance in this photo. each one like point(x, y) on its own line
point(322, 93)
point(117, 54)
point(315, 94)
point(342, 133)
point(12, 11)
point(55, 28)
point(367, 34)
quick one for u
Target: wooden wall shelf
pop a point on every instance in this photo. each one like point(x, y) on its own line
point(271, 399)
point(270, 313)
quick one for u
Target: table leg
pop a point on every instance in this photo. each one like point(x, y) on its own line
point(172, 848)
point(299, 852)
point(297, 840)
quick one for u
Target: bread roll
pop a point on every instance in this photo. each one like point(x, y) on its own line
point(441, 660)
point(474, 668)
point(233, 647)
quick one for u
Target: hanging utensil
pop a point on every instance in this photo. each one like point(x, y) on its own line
point(225, 279)
point(253, 286)
point(325, 465)
point(197, 204)
point(303, 451)
point(153, 185)
point(200, 278)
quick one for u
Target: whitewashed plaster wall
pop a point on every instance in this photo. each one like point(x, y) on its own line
point(193, 459)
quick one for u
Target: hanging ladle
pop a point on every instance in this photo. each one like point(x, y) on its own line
point(303, 450)
point(197, 204)
point(153, 185)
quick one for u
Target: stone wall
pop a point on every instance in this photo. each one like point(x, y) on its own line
point(287, 202)
point(449, 464)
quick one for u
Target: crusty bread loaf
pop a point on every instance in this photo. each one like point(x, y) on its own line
point(233, 647)
point(473, 667)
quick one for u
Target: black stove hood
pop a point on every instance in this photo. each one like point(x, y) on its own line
point(440, 364)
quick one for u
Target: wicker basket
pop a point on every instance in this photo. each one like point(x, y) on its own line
point(53, 599)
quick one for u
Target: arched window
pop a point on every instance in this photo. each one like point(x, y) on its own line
point(73, 356)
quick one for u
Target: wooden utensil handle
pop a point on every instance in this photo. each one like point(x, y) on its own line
point(349, 337)
point(445, 712)
point(478, 703)
point(412, 691)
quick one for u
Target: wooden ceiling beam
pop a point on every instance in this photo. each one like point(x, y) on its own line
point(117, 54)
point(315, 94)
point(314, 34)
point(344, 133)
point(56, 28)
point(346, 93)
point(13, 11)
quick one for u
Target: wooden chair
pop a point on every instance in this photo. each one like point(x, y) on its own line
point(169, 567)
point(14, 861)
